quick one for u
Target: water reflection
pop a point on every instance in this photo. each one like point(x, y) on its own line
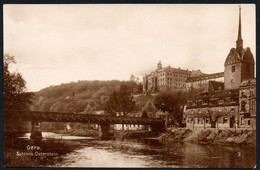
point(51, 135)
point(152, 153)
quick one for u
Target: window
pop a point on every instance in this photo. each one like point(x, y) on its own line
point(227, 100)
point(205, 102)
point(225, 120)
point(233, 69)
point(242, 120)
point(253, 105)
point(248, 122)
point(243, 94)
point(243, 106)
point(252, 93)
point(221, 102)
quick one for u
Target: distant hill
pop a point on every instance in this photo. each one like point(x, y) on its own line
point(81, 96)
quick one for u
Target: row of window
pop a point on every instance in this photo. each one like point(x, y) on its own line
point(243, 94)
point(244, 122)
point(223, 120)
point(179, 84)
point(172, 84)
point(172, 74)
point(130, 125)
point(212, 102)
point(252, 106)
point(169, 79)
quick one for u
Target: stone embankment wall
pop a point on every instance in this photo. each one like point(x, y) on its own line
point(211, 136)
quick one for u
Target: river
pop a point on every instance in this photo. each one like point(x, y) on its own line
point(152, 153)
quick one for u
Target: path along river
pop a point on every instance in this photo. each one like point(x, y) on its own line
point(152, 153)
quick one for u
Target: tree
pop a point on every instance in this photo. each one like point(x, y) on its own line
point(171, 102)
point(15, 95)
point(121, 101)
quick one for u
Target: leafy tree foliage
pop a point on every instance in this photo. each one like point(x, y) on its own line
point(171, 102)
point(15, 95)
point(82, 96)
point(121, 100)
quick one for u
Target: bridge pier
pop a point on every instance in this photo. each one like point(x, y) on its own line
point(104, 131)
point(36, 132)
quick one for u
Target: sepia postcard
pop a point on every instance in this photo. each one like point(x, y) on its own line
point(129, 85)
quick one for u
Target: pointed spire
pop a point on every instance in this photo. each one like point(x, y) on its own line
point(239, 37)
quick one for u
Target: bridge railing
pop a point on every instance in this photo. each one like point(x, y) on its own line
point(74, 117)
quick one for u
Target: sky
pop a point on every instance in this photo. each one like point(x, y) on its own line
point(56, 44)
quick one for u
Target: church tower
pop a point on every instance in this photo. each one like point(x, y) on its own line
point(239, 64)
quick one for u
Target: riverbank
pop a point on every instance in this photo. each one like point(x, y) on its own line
point(121, 134)
point(79, 132)
point(124, 134)
point(211, 136)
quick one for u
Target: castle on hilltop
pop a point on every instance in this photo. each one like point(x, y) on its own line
point(165, 78)
point(170, 79)
point(229, 97)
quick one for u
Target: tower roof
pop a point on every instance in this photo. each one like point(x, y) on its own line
point(239, 54)
point(234, 56)
point(239, 41)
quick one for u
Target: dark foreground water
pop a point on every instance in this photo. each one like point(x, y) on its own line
point(151, 153)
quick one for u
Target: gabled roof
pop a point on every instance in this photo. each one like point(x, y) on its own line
point(215, 86)
point(217, 94)
point(235, 57)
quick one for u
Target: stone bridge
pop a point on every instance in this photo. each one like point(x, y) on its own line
point(156, 124)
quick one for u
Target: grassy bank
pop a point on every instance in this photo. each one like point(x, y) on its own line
point(30, 153)
point(79, 132)
point(124, 134)
point(211, 136)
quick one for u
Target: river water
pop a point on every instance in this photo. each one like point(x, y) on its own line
point(152, 153)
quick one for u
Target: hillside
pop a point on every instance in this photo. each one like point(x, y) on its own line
point(81, 96)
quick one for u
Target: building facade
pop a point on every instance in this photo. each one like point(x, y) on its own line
point(171, 79)
point(166, 78)
point(247, 103)
point(217, 109)
point(200, 81)
point(235, 105)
